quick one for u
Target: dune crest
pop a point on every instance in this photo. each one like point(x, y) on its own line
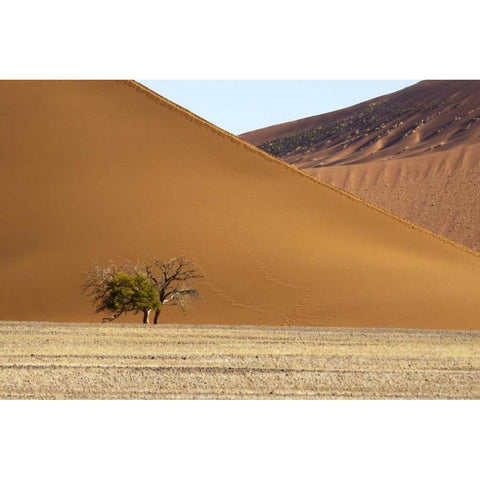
point(100, 170)
point(412, 152)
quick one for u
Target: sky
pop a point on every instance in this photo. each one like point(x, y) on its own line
point(240, 106)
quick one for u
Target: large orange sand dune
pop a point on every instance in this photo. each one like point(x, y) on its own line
point(93, 171)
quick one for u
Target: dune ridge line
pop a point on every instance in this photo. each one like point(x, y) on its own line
point(411, 152)
point(219, 131)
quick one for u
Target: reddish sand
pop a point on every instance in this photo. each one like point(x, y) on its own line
point(93, 171)
point(414, 152)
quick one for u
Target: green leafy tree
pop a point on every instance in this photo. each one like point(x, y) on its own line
point(118, 292)
point(130, 293)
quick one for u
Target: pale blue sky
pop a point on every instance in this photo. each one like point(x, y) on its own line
point(239, 106)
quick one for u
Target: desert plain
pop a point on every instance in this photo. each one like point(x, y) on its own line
point(88, 361)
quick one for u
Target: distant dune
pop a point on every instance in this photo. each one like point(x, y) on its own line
point(93, 171)
point(414, 152)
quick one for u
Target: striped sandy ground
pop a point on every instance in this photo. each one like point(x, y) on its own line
point(81, 361)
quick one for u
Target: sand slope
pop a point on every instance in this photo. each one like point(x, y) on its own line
point(414, 152)
point(93, 171)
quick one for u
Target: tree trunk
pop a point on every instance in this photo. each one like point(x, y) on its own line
point(157, 313)
point(146, 314)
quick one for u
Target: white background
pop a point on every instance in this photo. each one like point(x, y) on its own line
point(239, 439)
point(254, 39)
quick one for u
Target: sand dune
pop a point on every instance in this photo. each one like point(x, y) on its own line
point(413, 152)
point(93, 171)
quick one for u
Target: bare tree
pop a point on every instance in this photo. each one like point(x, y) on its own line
point(173, 281)
point(119, 289)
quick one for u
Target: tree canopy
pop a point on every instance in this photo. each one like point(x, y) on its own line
point(129, 293)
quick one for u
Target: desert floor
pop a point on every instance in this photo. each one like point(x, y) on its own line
point(105, 361)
